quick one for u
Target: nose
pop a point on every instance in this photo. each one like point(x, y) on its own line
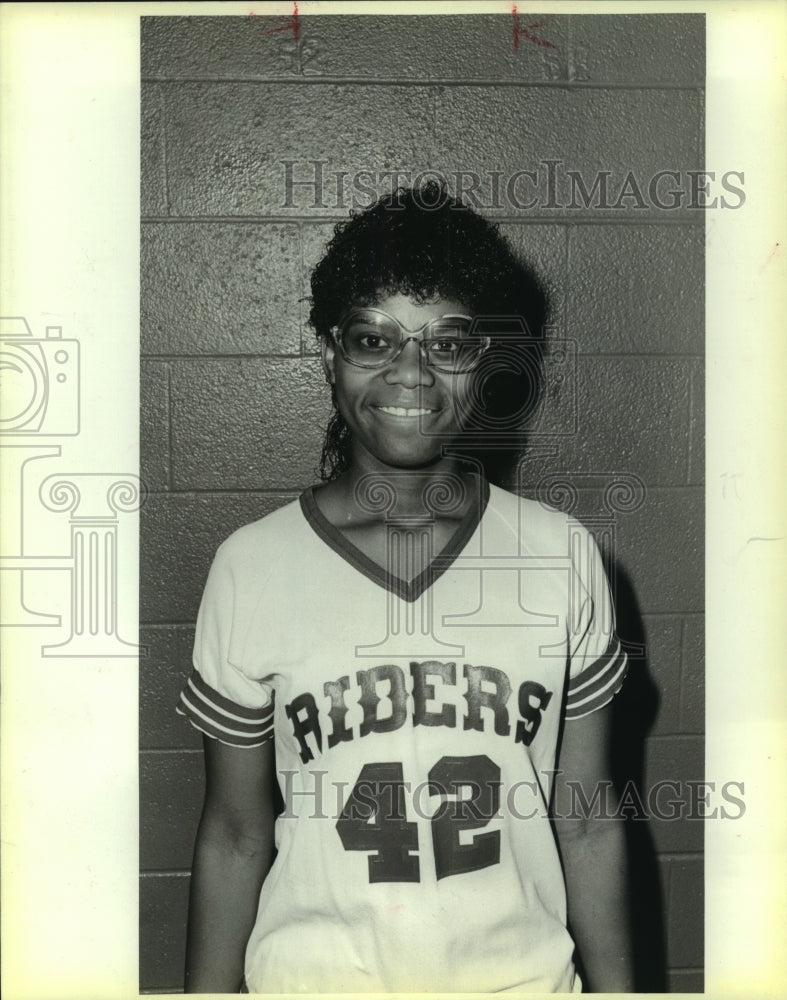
point(409, 369)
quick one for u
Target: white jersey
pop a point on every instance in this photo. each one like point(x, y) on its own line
point(416, 729)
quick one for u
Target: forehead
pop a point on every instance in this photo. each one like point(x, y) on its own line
point(413, 315)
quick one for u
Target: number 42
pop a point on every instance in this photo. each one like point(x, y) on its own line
point(375, 819)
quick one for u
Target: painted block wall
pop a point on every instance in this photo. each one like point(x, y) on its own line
point(234, 402)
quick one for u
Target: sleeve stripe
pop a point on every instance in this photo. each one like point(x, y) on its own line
point(225, 705)
point(220, 719)
point(595, 677)
point(207, 705)
point(598, 666)
point(600, 694)
point(604, 684)
point(223, 733)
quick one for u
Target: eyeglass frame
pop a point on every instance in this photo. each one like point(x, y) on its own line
point(337, 331)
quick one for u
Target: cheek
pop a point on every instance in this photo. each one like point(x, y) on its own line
point(460, 390)
point(350, 388)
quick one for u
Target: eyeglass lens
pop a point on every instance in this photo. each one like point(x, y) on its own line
point(372, 339)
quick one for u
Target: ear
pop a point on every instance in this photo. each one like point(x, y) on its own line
point(328, 354)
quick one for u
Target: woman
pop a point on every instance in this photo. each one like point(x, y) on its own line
point(404, 677)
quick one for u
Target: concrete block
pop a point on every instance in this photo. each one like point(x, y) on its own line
point(640, 49)
point(228, 144)
point(677, 759)
point(171, 791)
point(661, 548)
point(602, 49)
point(455, 47)
point(614, 414)
point(153, 183)
point(692, 708)
point(637, 290)
point(212, 288)
point(543, 248)
point(697, 424)
point(154, 424)
point(485, 129)
point(247, 424)
point(315, 236)
point(685, 928)
point(658, 551)
point(633, 416)
point(432, 47)
point(692, 981)
point(213, 47)
point(162, 675)
point(179, 537)
point(163, 909)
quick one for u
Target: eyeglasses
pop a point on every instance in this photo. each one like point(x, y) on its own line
point(370, 338)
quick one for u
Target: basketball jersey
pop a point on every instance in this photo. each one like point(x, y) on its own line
point(416, 728)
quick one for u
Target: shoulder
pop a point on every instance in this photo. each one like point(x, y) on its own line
point(259, 541)
point(540, 528)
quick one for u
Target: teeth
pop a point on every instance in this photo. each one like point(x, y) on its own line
point(401, 411)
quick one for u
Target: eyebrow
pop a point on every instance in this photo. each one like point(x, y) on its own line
point(407, 329)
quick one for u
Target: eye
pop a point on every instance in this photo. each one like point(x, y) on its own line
point(445, 347)
point(368, 340)
point(371, 341)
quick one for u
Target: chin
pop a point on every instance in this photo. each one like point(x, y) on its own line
point(408, 460)
point(416, 451)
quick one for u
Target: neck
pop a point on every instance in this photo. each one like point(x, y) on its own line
point(447, 487)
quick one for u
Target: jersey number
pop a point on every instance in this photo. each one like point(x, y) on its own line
point(375, 819)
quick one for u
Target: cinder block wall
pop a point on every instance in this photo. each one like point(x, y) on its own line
point(234, 402)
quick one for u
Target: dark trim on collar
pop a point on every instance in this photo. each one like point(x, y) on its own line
point(408, 591)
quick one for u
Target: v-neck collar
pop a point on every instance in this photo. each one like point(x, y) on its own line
point(408, 591)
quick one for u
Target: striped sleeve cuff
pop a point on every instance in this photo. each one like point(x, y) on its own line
point(224, 720)
point(598, 684)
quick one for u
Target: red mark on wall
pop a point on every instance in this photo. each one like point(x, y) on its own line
point(297, 50)
point(528, 31)
point(292, 23)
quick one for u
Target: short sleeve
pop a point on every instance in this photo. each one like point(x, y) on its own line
point(218, 698)
point(598, 663)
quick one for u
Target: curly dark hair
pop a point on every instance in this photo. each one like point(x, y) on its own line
point(426, 244)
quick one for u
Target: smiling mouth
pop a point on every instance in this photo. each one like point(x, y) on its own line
point(405, 411)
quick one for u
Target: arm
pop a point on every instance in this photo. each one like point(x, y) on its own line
point(233, 853)
point(594, 856)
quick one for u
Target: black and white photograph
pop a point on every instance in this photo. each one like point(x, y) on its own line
point(448, 660)
point(391, 512)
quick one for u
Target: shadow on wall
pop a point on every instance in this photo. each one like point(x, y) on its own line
point(635, 711)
